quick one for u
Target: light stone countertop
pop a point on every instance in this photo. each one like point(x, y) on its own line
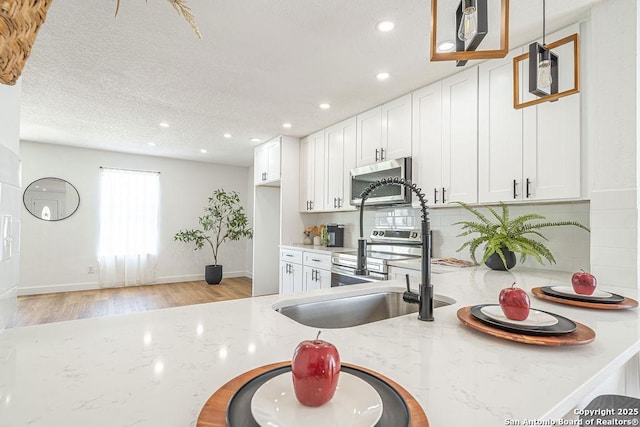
point(158, 368)
point(316, 249)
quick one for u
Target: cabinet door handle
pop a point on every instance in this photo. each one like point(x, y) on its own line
point(382, 154)
point(289, 255)
point(435, 195)
point(515, 186)
point(311, 204)
point(376, 154)
point(335, 202)
point(339, 202)
point(315, 259)
point(528, 193)
point(443, 193)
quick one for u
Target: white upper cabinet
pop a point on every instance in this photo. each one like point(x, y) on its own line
point(267, 162)
point(427, 141)
point(312, 172)
point(460, 137)
point(396, 128)
point(499, 133)
point(384, 132)
point(340, 140)
point(445, 124)
point(369, 137)
point(551, 137)
point(551, 151)
point(532, 153)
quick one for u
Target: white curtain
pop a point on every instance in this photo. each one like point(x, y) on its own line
point(129, 202)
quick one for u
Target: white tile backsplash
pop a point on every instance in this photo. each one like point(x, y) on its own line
point(569, 245)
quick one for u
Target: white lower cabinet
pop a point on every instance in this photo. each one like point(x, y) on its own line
point(316, 278)
point(317, 270)
point(304, 270)
point(291, 279)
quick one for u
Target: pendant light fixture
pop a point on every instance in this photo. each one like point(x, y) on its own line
point(543, 65)
point(471, 27)
point(471, 21)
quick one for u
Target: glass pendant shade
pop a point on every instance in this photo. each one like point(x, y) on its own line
point(544, 70)
point(469, 25)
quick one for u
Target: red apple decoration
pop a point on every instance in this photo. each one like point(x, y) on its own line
point(315, 367)
point(584, 283)
point(514, 303)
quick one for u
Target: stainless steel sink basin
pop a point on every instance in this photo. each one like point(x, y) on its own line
point(355, 310)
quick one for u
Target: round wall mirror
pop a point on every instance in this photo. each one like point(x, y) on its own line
point(51, 199)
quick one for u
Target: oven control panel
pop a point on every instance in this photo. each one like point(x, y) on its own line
point(390, 235)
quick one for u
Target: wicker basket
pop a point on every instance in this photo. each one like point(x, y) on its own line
point(20, 21)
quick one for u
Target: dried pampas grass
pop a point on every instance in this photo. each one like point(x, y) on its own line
point(183, 10)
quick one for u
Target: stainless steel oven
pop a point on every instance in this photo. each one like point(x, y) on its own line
point(343, 264)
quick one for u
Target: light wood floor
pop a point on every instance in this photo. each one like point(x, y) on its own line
point(48, 308)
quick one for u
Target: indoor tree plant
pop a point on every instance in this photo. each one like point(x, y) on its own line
point(504, 236)
point(224, 220)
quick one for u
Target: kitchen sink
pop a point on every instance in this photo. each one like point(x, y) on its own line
point(344, 312)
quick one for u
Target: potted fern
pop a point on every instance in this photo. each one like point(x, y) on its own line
point(224, 220)
point(503, 236)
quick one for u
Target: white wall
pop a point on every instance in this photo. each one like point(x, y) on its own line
point(9, 200)
point(612, 111)
point(56, 255)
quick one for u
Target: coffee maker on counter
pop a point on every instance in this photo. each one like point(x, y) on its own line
point(335, 232)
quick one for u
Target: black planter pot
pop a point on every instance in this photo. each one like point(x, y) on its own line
point(213, 274)
point(494, 261)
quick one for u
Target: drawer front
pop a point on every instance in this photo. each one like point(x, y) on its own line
point(314, 259)
point(291, 255)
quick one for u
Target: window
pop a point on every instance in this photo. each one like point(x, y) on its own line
point(129, 202)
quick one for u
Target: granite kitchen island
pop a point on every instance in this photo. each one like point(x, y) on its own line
point(158, 368)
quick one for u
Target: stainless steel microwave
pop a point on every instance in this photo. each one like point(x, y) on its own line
point(362, 177)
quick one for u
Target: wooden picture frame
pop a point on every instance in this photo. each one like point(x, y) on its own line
point(573, 38)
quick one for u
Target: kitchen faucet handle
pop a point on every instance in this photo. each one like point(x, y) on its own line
point(408, 296)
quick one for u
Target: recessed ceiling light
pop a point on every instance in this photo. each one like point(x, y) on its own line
point(385, 26)
point(286, 125)
point(382, 76)
point(325, 106)
point(446, 46)
point(255, 140)
point(164, 125)
point(151, 144)
point(227, 135)
point(203, 151)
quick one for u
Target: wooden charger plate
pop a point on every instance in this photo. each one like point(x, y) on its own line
point(582, 335)
point(626, 302)
point(214, 411)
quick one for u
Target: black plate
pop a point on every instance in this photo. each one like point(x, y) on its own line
point(564, 325)
point(394, 409)
point(613, 299)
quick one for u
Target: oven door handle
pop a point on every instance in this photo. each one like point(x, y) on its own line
point(347, 271)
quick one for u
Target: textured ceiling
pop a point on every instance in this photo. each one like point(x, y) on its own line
point(106, 83)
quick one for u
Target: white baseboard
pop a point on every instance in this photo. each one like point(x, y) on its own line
point(89, 286)
point(51, 289)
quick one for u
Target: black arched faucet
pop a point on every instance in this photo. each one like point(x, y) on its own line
point(424, 298)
